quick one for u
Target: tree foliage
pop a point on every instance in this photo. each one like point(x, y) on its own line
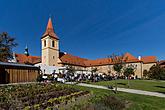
point(71, 70)
point(94, 70)
point(117, 67)
point(6, 45)
point(145, 74)
point(118, 62)
point(129, 70)
point(156, 72)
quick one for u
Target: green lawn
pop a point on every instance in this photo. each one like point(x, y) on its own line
point(138, 102)
point(148, 85)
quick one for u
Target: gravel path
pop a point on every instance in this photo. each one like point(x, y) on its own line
point(134, 91)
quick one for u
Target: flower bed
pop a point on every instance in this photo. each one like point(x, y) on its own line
point(36, 96)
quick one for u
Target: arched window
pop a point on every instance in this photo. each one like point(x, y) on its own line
point(44, 43)
point(52, 43)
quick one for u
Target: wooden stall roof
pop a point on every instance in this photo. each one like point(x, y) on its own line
point(16, 65)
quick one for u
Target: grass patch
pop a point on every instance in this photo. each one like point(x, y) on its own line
point(148, 85)
point(136, 102)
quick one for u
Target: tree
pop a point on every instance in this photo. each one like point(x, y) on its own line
point(118, 67)
point(118, 63)
point(145, 74)
point(156, 72)
point(94, 70)
point(71, 71)
point(6, 45)
point(128, 71)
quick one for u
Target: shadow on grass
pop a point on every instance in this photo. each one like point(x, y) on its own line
point(163, 92)
point(160, 86)
point(160, 92)
point(121, 83)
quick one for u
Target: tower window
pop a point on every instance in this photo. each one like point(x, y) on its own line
point(44, 43)
point(53, 43)
point(53, 57)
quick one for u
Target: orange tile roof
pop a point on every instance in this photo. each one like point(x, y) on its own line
point(97, 62)
point(74, 60)
point(21, 58)
point(69, 59)
point(149, 59)
point(50, 30)
point(104, 61)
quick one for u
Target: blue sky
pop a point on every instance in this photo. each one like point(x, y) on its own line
point(88, 28)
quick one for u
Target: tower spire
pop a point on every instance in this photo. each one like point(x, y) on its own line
point(50, 25)
point(26, 51)
point(50, 30)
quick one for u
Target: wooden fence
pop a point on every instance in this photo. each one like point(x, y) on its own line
point(15, 73)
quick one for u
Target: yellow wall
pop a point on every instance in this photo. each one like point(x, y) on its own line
point(50, 55)
point(105, 68)
point(147, 66)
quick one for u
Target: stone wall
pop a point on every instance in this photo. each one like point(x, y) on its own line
point(108, 69)
point(147, 66)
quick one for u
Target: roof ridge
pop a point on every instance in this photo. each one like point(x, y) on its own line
point(25, 55)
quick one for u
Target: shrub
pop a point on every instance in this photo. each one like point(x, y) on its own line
point(113, 103)
point(39, 78)
point(156, 72)
point(106, 103)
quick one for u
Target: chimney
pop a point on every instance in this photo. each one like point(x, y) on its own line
point(139, 57)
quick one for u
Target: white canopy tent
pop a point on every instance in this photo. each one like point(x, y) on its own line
point(49, 69)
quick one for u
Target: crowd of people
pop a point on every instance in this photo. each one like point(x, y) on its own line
point(75, 77)
point(94, 77)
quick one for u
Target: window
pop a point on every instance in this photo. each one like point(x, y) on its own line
point(53, 57)
point(53, 43)
point(44, 43)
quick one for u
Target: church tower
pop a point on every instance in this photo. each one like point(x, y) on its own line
point(50, 46)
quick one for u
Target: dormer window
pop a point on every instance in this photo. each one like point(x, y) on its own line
point(44, 43)
point(53, 43)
